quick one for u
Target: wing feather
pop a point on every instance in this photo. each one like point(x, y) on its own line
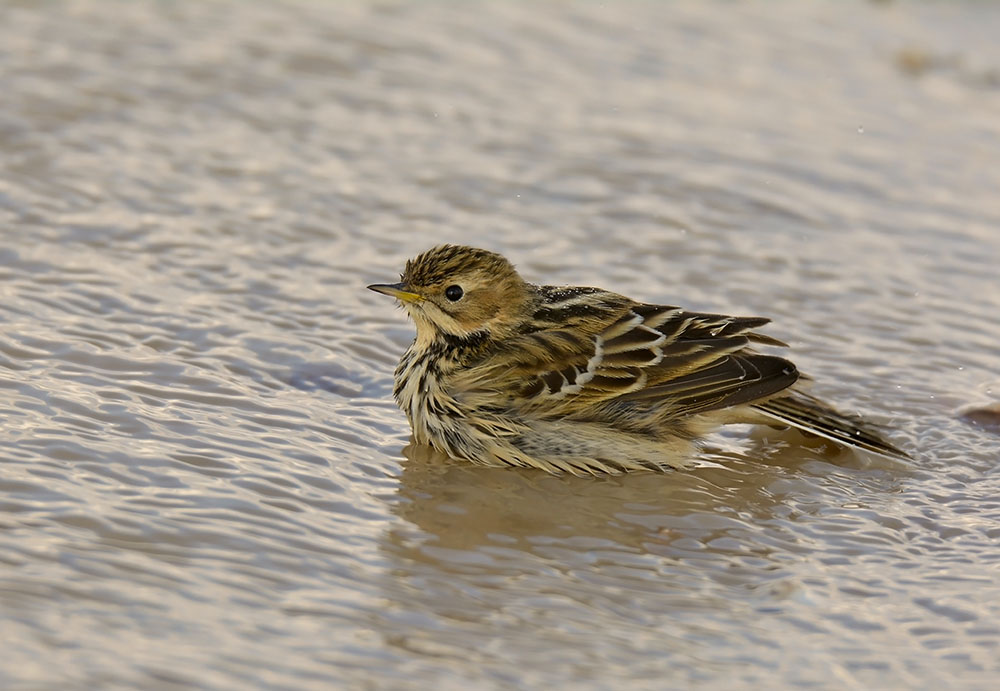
point(732, 380)
point(626, 352)
point(811, 415)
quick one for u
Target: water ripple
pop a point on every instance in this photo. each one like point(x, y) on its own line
point(205, 481)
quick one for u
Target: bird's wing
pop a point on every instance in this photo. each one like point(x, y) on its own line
point(690, 361)
point(708, 364)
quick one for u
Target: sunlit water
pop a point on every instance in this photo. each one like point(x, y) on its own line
point(204, 479)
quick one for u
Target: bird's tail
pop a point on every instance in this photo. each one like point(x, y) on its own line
point(811, 415)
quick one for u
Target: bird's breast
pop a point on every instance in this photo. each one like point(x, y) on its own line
point(421, 392)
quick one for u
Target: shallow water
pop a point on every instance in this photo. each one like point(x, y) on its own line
point(204, 479)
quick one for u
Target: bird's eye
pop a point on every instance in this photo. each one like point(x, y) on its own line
point(454, 293)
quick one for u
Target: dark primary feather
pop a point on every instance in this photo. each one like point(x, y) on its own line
point(732, 380)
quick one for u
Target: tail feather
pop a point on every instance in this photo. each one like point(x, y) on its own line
point(811, 415)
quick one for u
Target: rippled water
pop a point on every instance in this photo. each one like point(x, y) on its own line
point(204, 480)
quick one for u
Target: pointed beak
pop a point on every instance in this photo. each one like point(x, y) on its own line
point(400, 291)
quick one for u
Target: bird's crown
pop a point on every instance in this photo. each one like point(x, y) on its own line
point(446, 262)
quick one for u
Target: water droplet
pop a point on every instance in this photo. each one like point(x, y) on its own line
point(861, 129)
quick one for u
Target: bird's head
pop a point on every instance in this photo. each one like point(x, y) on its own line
point(461, 292)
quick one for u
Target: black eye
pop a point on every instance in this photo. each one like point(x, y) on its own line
point(454, 293)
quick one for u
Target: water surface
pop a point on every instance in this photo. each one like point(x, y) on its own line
point(205, 481)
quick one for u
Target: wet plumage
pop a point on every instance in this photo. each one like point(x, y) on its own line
point(583, 380)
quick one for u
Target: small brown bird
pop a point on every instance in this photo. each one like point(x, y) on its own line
point(582, 380)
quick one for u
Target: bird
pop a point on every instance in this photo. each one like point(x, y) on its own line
point(585, 381)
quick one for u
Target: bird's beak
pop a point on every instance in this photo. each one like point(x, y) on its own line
point(400, 291)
